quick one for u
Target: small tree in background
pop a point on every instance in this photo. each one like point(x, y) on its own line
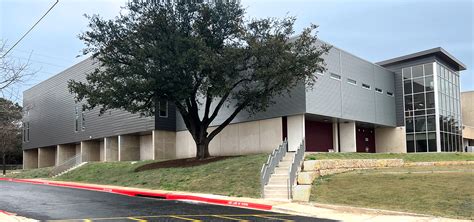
point(10, 130)
point(203, 57)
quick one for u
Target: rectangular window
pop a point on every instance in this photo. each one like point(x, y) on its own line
point(351, 81)
point(83, 121)
point(389, 93)
point(378, 90)
point(428, 69)
point(163, 109)
point(406, 73)
point(27, 131)
point(365, 86)
point(417, 71)
point(335, 76)
point(76, 119)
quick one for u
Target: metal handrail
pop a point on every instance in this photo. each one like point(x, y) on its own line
point(295, 165)
point(273, 160)
point(68, 164)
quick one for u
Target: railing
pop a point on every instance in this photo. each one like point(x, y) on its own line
point(272, 162)
point(66, 165)
point(295, 165)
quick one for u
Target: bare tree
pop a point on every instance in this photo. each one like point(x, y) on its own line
point(12, 71)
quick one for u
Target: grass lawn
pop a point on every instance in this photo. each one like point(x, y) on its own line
point(33, 173)
point(237, 176)
point(448, 194)
point(408, 157)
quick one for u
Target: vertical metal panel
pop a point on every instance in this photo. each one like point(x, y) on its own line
point(51, 113)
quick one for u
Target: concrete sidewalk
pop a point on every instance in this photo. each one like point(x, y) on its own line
point(335, 212)
point(10, 217)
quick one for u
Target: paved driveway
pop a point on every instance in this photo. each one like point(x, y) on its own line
point(66, 204)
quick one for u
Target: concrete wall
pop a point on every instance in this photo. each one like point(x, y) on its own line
point(30, 159)
point(65, 152)
point(128, 148)
point(146, 147)
point(347, 135)
point(90, 150)
point(261, 136)
point(296, 131)
point(390, 140)
point(46, 157)
point(102, 150)
point(467, 109)
point(111, 149)
point(165, 145)
point(335, 137)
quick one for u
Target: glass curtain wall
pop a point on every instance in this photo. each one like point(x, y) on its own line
point(419, 105)
point(450, 109)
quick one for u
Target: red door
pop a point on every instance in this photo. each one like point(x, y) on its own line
point(365, 139)
point(318, 136)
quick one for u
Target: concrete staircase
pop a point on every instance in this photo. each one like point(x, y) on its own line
point(277, 187)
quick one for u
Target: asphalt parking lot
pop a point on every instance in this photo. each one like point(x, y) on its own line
point(48, 203)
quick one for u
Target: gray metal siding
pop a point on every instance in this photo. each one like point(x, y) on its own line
point(291, 104)
point(339, 99)
point(51, 113)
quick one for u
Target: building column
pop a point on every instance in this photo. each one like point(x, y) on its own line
point(164, 145)
point(296, 131)
point(128, 148)
point(111, 149)
point(30, 159)
point(65, 152)
point(90, 150)
point(146, 147)
point(46, 157)
point(335, 137)
point(347, 135)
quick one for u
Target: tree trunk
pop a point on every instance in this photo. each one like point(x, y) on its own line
point(202, 150)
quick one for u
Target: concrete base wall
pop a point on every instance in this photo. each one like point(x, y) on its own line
point(146, 147)
point(46, 157)
point(296, 131)
point(260, 136)
point(128, 148)
point(101, 151)
point(390, 140)
point(347, 135)
point(65, 152)
point(30, 159)
point(165, 145)
point(90, 151)
point(111, 149)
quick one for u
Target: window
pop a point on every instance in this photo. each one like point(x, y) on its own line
point(83, 121)
point(365, 86)
point(27, 131)
point(417, 71)
point(76, 119)
point(378, 90)
point(389, 93)
point(351, 81)
point(335, 76)
point(163, 109)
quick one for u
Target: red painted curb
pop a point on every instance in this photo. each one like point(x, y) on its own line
point(6, 213)
point(168, 196)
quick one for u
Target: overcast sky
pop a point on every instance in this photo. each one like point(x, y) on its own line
point(375, 30)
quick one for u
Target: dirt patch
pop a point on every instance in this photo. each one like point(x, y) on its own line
point(180, 163)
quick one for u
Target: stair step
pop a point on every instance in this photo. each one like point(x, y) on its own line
point(279, 170)
point(276, 196)
point(276, 192)
point(282, 180)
